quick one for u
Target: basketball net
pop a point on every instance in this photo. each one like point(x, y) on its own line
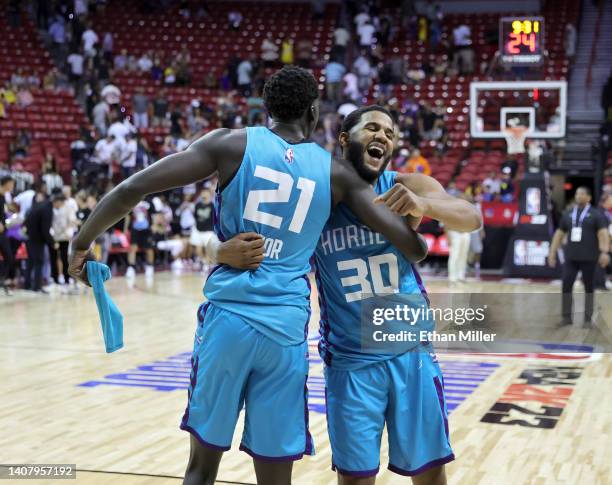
point(515, 139)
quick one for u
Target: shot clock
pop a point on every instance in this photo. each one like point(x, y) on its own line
point(521, 40)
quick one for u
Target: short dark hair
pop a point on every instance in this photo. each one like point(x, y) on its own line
point(6, 179)
point(354, 117)
point(289, 92)
point(586, 189)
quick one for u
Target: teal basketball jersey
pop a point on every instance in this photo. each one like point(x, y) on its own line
point(352, 262)
point(283, 192)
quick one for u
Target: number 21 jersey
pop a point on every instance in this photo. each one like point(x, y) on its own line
point(283, 192)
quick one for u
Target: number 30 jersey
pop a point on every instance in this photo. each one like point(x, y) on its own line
point(283, 192)
point(353, 263)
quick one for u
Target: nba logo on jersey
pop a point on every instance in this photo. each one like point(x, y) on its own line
point(289, 155)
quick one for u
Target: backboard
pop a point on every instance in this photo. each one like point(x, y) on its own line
point(540, 106)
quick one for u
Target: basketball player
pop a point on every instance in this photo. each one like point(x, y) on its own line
point(250, 346)
point(366, 390)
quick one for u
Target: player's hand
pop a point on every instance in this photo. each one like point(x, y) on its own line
point(243, 251)
point(77, 265)
point(552, 260)
point(402, 201)
point(604, 260)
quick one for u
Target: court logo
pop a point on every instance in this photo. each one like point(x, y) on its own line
point(536, 399)
point(289, 156)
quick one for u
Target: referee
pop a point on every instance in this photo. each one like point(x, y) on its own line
point(587, 245)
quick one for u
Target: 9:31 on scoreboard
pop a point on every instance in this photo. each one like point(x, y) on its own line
point(521, 41)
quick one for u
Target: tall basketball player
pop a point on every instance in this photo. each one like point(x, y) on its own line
point(366, 390)
point(250, 347)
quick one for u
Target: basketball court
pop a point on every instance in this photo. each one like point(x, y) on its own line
point(116, 416)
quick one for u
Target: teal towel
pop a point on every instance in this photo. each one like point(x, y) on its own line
point(110, 316)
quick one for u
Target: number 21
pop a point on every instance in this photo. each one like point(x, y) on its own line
point(279, 195)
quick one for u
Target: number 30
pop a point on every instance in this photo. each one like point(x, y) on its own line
point(279, 195)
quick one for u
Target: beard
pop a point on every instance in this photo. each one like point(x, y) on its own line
point(355, 151)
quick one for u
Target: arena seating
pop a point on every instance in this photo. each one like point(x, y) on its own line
point(54, 117)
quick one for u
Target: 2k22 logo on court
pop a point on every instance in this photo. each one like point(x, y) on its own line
point(536, 399)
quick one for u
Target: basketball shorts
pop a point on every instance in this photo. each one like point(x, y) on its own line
point(235, 367)
point(143, 238)
point(405, 393)
point(200, 238)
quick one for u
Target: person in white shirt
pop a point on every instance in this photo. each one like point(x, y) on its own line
point(76, 61)
point(361, 18)
point(244, 71)
point(463, 58)
point(269, 51)
point(351, 90)
point(492, 185)
point(105, 153)
point(121, 129)
point(128, 156)
point(145, 63)
point(363, 69)
point(89, 40)
point(366, 33)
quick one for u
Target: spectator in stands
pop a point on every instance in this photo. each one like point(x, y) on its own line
point(105, 154)
point(506, 188)
point(245, 70)
point(80, 8)
point(427, 121)
point(351, 89)
point(145, 63)
point(7, 185)
point(50, 173)
point(127, 157)
point(463, 57)
point(417, 163)
point(458, 248)
point(160, 108)
point(76, 61)
point(24, 96)
point(474, 191)
point(107, 46)
point(8, 93)
point(140, 108)
point(318, 9)
point(120, 61)
point(120, 126)
point(57, 32)
point(38, 224)
point(410, 131)
point(287, 51)
point(569, 41)
point(196, 121)
point(341, 39)
point(361, 18)
point(183, 67)
point(366, 32)
point(269, 51)
point(304, 53)
point(63, 228)
point(170, 74)
point(435, 18)
point(100, 117)
point(234, 19)
point(363, 69)
point(491, 186)
point(89, 40)
point(256, 108)
point(132, 63)
point(18, 78)
point(20, 145)
point(334, 73)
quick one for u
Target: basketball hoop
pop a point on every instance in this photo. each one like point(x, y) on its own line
point(515, 139)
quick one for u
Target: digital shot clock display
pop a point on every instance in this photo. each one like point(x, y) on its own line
point(521, 40)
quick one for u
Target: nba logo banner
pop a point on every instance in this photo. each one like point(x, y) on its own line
point(289, 156)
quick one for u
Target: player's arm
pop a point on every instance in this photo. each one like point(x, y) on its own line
point(243, 251)
point(198, 162)
point(348, 187)
point(418, 195)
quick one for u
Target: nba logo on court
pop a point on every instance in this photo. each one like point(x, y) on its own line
point(289, 155)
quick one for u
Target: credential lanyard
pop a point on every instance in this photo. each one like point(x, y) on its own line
point(583, 214)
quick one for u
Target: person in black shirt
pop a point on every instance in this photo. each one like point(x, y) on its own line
point(202, 230)
point(7, 184)
point(38, 224)
point(587, 245)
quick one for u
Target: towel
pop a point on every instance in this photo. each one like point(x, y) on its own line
point(110, 316)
